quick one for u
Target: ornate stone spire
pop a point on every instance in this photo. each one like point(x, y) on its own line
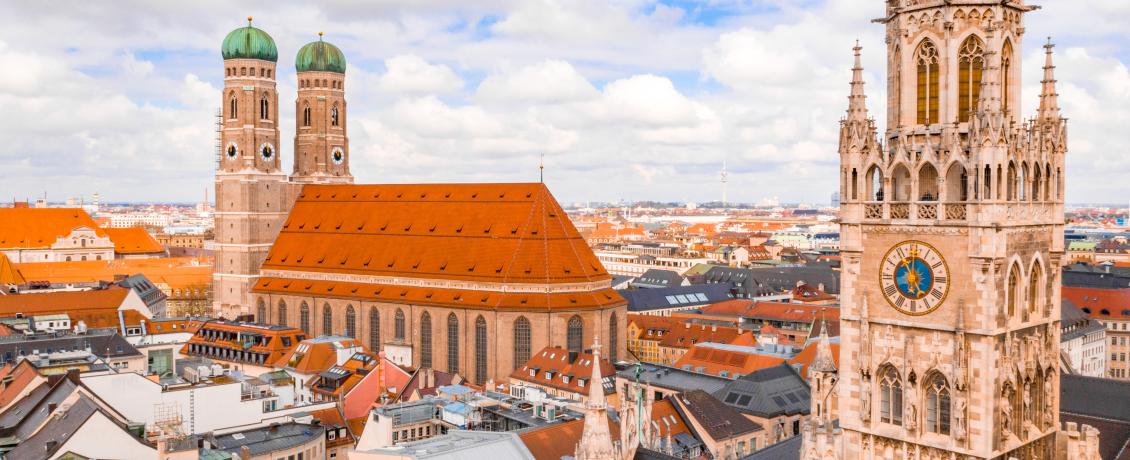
point(824, 361)
point(857, 101)
point(989, 101)
point(1049, 99)
point(596, 439)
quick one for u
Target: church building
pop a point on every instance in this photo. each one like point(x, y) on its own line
point(466, 278)
point(952, 235)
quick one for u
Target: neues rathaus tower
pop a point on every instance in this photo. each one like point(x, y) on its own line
point(952, 236)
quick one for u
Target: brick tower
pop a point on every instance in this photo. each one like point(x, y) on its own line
point(321, 144)
point(251, 189)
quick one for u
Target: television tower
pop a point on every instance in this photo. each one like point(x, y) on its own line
point(724, 180)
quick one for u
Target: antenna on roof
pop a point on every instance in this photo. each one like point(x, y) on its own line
point(541, 169)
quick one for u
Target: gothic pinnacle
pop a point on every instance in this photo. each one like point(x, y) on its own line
point(857, 101)
point(1049, 99)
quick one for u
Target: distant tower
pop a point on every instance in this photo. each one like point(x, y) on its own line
point(321, 145)
point(724, 180)
point(250, 185)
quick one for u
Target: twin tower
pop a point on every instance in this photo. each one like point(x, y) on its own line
point(253, 194)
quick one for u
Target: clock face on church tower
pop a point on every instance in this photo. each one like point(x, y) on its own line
point(914, 277)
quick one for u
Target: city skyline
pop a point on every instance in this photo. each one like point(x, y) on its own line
point(441, 94)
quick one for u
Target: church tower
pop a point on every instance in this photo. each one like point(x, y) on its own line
point(321, 145)
point(251, 188)
point(952, 235)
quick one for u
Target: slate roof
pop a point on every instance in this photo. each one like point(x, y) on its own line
point(785, 278)
point(26, 416)
point(1095, 397)
point(788, 449)
point(59, 430)
point(741, 281)
point(103, 345)
point(768, 393)
point(672, 378)
point(1075, 323)
point(661, 298)
point(657, 278)
point(1114, 436)
point(1084, 275)
point(269, 438)
point(716, 418)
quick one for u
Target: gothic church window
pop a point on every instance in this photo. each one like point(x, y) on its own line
point(426, 340)
point(890, 397)
point(333, 116)
point(575, 334)
point(1013, 292)
point(306, 116)
point(234, 107)
point(282, 314)
point(480, 350)
point(452, 343)
point(938, 405)
point(398, 324)
point(261, 312)
point(926, 60)
point(970, 64)
point(350, 322)
point(1034, 288)
point(521, 341)
point(613, 337)
point(264, 108)
point(374, 329)
point(304, 318)
point(1006, 68)
point(327, 320)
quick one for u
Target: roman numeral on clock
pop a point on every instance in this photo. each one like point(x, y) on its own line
point(899, 301)
point(941, 280)
point(936, 294)
point(890, 290)
point(936, 264)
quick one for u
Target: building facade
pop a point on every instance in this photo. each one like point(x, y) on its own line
point(951, 235)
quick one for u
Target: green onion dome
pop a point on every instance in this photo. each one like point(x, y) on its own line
point(250, 43)
point(320, 56)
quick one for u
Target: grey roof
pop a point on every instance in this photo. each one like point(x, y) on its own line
point(1096, 276)
point(644, 453)
point(1073, 322)
point(657, 278)
point(716, 418)
point(1095, 397)
point(742, 281)
point(269, 438)
point(144, 288)
point(463, 445)
point(103, 345)
point(786, 278)
point(675, 379)
point(409, 412)
point(59, 430)
point(788, 449)
point(768, 393)
point(655, 299)
point(28, 414)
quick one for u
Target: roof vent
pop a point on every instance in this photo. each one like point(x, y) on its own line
point(428, 295)
point(475, 195)
point(487, 230)
point(471, 268)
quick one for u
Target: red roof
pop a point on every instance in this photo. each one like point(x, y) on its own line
point(1100, 303)
point(713, 361)
point(41, 227)
point(22, 375)
point(65, 302)
point(133, 240)
point(556, 360)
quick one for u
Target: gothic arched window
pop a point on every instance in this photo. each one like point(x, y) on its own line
point(480, 349)
point(282, 314)
point(398, 325)
point(1013, 292)
point(890, 397)
point(234, 107)
point(304, 318)
point(1006, 68)
point(970, 63)
point(306, 116)
point(452, 343)
point(613, 336)
point(575, 334)
point(327, 320)
point(426, 340)
point(1034, 288)
point(521, 341)
point(374, 329)
point(926, 60)
point(937, 405)
point(261, 312)
point(333, 116)
point(350, 322)
point(264, 108)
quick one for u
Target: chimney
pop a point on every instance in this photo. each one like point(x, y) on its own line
point(245, 453)
point(51, 407)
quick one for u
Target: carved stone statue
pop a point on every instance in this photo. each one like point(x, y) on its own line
point(911, 405)
point(1028, 414)
point(865, 399)
point(1049, 401)
point(959, 416)
point(1006, 416)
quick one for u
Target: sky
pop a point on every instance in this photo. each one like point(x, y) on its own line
point(626, 100)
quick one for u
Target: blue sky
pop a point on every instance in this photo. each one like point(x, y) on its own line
point(631, 99)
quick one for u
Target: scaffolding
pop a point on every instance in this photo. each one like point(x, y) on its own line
point(219, 136)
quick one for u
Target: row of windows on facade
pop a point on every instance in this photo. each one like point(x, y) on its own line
point(970, 67)
point(319, 83)
point(243, 72)
point(265, 111)
point(521, 334)
point(1024, 182)
point(306, 116)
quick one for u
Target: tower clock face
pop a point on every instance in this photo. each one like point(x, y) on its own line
point(338, 155)
point(232, 150)
point(267, 151)
point(914, 277)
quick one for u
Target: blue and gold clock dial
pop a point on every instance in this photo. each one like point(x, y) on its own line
point(914, 277)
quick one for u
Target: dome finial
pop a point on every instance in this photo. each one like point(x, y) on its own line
point(249, 21)
point(320, 36)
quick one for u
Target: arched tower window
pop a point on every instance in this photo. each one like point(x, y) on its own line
point(1022, 183)
point(854, 184)
point(957, 183)
point(264, 108)
point(1037, 183)
point(327, 320)
point(1006, 74)
point(333, 116)
point(890, 397)
point(927, 183)
point(452, 343)
point(970, 63)
point(613, 337)
point(1013, 291)
point(1034, 288)
point(875, 184)
point(282, 314)
point(1012, 182)
point(426, 340)
point(926, 60)
point(304, 318)
point(261, 312)
point(896, 85)
point(233, 108)
point(900, 183)
point(937, 405)
point(575, 334)
point(398, 325)
point(306, 116)
point(521, 341)
point(374, 329)
point(350, 322)
point(480, 350)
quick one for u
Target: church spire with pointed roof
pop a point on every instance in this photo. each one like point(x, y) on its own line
point(1049, 98)
point(857, 100)
point(596, 439)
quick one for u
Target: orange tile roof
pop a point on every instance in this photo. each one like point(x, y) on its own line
point(558, 440)
point(63, 301)
point(792, 312)
point(9, 274)
point(462, 298)
point(806, 293)
point(732, 307)
point(22, 375)
point(274, 350)
point(133, 240)
point(41, 227)
point(714, 361)
point(653, 327)
point(689, 334)
point(1098, 303)
point(505, 233)
point(319, 354)
point(174, 272)
point(805, 357)
point(556, 359)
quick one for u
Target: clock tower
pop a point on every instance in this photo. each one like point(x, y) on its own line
point(251, 189)
point(321, 147)
point(952, 236)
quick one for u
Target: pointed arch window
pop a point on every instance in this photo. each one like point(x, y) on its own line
point(306, 116)
point(480, 350)
point(304, 318)
point(1013, 292)
point(926, 60)
point(350, 322)
point(398, 325)
point(1006, 80)
point(261, 312)
point(1034, 288)
point(333, 116)
point(452, 343)
point(426, 340)
point(575, 334)
point(264, 108)
point(233, 108)
point(613, 337)
point(374, 329)
point(890, 397)
point(282, 314)
point(970, 64)
point(521, 341)
point(938, 405)
point(896, 85)
point(327, 320)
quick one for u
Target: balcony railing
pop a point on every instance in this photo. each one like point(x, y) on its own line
point(916, 210)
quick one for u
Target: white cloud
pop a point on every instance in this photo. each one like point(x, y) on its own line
point(547, 82)
point(413, 75)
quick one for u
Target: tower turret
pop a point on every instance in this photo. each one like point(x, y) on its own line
point(321, 142)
